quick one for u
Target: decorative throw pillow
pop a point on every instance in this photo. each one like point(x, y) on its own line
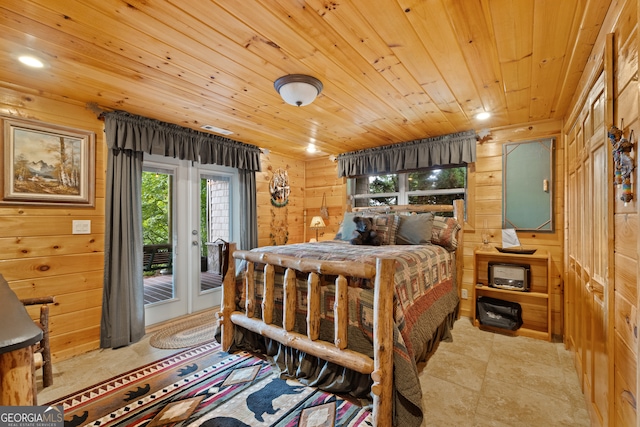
point(445, 232)
point(386, 225)
point(347, 227)
point(414, 229)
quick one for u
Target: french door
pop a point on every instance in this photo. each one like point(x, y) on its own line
point(187, 211)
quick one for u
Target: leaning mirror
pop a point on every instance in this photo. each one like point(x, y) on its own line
point(527, 185)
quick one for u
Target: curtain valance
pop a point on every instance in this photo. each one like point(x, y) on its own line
point(456, 148)
point(125, 131)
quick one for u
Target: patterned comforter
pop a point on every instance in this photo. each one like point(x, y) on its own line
point(426, 299)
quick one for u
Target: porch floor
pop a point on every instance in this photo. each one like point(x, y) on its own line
point(159, 287)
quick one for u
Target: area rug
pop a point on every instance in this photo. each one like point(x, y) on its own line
point(205, 387)
point(187, 333)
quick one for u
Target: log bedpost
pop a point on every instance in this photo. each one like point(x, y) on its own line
point(382, 375)
point(228, 301)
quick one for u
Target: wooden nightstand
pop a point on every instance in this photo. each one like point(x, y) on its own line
point(535, 303)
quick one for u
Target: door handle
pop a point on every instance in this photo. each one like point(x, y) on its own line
point(195, 243)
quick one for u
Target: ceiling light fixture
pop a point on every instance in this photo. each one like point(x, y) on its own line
point(483, 116)
point(298, 89)
point(31, 61)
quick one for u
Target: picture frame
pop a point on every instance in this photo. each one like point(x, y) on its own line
point(46, 164)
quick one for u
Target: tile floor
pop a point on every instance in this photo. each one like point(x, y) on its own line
point(485, 379)
point(480, 379)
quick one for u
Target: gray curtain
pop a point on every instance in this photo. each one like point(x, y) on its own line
point(123, 293)
point(249, 210)
point(136, 133)
point(450, 149)
point(128, 137)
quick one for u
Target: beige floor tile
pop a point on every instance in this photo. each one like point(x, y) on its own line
point(447, 404)
point(535, 376)
point(515, 405)
point(459, 369)
point(523, 350)
point(470, 341)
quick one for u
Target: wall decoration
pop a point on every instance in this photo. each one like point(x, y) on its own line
point(279, 188)
point(622, 161)
point(47, 164)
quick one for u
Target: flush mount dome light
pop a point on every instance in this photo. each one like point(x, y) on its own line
point(31, 61)
point(298, 89)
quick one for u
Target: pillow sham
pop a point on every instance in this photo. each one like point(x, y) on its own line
point(445, 232)
point(347, 227)
point(386, 225)
point(414, 229)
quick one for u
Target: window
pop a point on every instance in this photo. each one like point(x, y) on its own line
point(433, 186)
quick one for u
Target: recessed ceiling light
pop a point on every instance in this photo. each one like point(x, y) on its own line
point(483, 116)
point(311, 148)
point(217, 130)
point(31, 61)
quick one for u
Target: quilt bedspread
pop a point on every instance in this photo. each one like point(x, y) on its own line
point(425, 298)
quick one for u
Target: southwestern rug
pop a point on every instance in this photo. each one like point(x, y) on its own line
point(203, 386)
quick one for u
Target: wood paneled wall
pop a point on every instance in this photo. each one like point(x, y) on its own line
point(625, 225)
point(280, 225)
point(322, 180)
point(619, 378)
point(485, 206)
point(38, 253)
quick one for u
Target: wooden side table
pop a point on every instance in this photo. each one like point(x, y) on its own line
point(16, 352)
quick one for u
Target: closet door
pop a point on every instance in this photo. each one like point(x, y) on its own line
point(598, 285)
point(587, 284)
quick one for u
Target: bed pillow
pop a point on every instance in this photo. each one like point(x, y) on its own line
point(347, 227)
point(414, 229)
point(445, 232)
point(386, 225)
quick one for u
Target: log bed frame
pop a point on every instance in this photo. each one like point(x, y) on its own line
point(380, 367)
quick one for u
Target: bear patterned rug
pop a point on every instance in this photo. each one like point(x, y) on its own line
point(205, 387)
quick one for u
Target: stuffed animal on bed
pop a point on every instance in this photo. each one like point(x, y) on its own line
point(364, 234)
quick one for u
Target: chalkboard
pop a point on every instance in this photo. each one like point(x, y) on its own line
point(527, 185)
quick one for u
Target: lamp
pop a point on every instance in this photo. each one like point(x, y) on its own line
point(298, 89)
point(316, 224)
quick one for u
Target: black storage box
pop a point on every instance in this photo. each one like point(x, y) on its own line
point(499, 313)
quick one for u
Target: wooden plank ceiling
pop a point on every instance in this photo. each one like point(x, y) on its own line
point(393, 70)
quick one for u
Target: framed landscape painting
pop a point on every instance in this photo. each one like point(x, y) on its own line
point(47, 164)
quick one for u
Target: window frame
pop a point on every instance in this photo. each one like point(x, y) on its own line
point(403, 194)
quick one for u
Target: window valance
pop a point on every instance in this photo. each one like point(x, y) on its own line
point(452, 149)
point(125, 131)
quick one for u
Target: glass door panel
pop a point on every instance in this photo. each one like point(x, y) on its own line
point(187, 212)
point(161, 288)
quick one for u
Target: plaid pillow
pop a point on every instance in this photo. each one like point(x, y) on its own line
point(386, 225)
point(445, 232)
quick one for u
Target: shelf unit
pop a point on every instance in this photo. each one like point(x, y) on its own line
point(536, 303)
